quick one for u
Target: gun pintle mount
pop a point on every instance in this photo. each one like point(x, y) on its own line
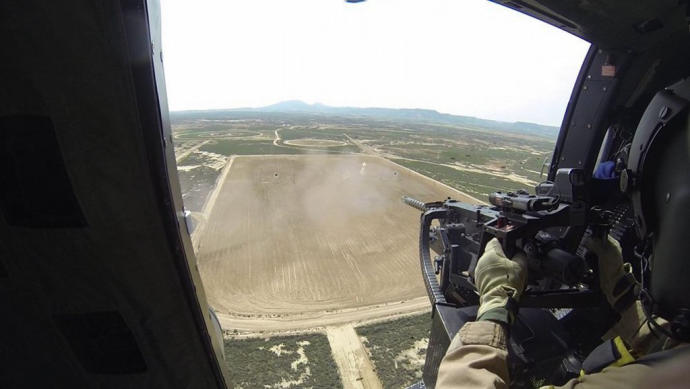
point(542, 226)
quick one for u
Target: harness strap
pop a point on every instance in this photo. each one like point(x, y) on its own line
point(613, 352)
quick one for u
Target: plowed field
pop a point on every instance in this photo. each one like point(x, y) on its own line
point(294, 234)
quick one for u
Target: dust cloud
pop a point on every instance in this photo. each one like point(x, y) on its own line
point(312, 233)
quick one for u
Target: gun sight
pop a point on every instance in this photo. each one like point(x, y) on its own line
point(521, 201)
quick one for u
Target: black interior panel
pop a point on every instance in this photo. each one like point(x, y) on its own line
point(102, 342)
point(35, 190)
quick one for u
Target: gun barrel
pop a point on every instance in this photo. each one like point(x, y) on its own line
point(414, 203)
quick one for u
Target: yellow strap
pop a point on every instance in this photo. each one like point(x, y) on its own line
point(626, 357)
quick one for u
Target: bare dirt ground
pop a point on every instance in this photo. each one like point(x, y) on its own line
point(298, 235)
point(354, 365)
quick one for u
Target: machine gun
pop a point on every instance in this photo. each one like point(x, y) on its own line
point(548, 227)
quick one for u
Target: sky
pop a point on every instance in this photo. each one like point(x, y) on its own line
point(465, 57)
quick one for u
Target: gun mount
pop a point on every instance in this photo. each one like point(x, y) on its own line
point(537, 225)
point(563, 281)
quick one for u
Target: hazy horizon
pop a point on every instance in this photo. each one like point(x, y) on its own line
point(239, 109)
point(470, 58)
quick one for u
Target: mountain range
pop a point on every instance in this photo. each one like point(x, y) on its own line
point(407, 114)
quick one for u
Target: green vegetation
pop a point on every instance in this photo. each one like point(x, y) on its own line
point(315, 132)
point(194, 159)
point(197, 179)
point(252, 147)
point(247, 147)
point(398, 349)
point(460, 152)
point(211, 131)
point(299, 361)
point(196, 185)
point(506, 158)
point(476, 184)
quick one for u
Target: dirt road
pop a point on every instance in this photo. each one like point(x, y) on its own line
point(354, 365)
point(366, 149)
point(315, 320)
point(277, 138)
point(190, 150)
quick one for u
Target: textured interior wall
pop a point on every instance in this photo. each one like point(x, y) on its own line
point(96, 286)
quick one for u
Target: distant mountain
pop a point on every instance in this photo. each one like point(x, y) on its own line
point(288, 106)
point(411, 114)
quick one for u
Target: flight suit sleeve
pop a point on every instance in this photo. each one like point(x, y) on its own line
point(476, 358)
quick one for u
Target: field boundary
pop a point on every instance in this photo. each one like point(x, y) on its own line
point(468, 196)
point(257, 326)
point(210, 202)
point(251, 324)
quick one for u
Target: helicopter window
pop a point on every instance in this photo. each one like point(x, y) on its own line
point(298, 127)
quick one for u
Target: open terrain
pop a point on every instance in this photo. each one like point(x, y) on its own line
point(472, 155)
point(299, 230)
point(295, 234)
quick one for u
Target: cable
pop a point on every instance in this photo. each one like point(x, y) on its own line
point(647, 298)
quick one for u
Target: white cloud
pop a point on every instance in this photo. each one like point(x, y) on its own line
point(468, 57)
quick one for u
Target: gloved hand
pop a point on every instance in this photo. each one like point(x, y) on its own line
point(500, 282)
point(615, 277)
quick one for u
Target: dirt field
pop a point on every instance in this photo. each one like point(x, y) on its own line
point(298, 234)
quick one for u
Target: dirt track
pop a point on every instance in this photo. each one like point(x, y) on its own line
point(260, 324)
point(210, 203)
point(309, 235)
point(189, 151)
point(356, 370)
point(306, 142)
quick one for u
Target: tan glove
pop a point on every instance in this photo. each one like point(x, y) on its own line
point(615, 277)
point(500, 282)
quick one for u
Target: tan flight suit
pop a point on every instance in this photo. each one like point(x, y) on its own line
point(476, 358)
